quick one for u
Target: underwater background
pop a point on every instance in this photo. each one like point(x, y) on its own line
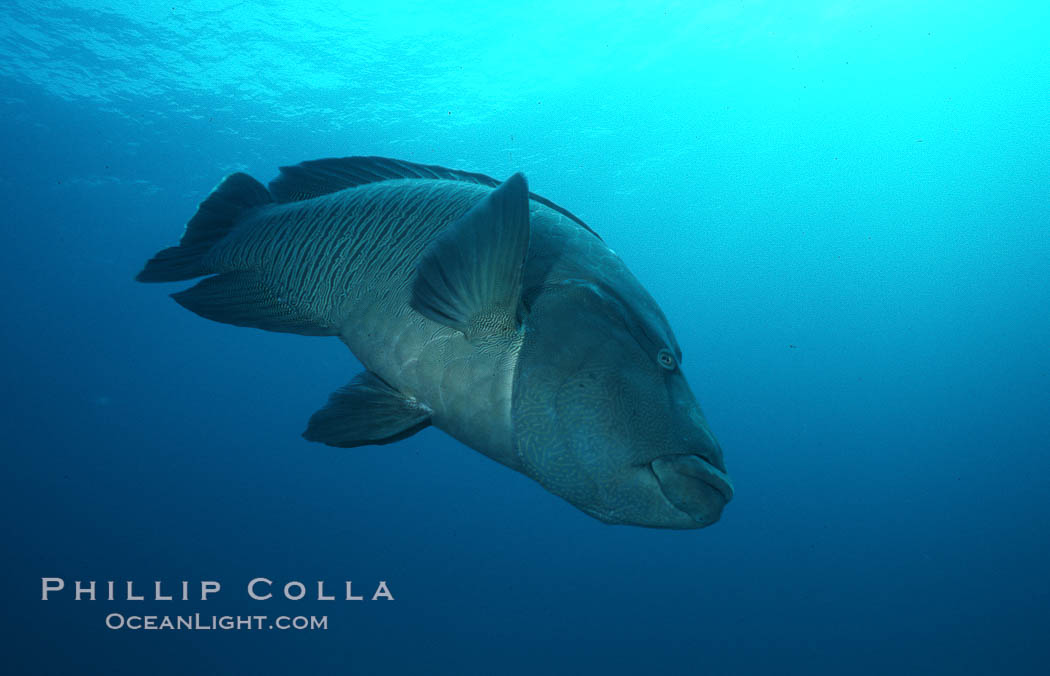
point(841, 207)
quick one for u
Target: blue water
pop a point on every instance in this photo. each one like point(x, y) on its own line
point(841, 207)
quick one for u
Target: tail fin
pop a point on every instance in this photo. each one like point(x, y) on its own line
point(214, 219)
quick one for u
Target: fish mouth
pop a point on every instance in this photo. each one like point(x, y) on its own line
point(693, 485)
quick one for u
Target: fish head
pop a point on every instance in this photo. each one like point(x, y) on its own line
point(603, 415)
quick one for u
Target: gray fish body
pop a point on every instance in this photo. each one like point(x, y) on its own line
point(464, 348)
point(369, 239)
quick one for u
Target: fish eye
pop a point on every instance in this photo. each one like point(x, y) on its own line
point(666, 359)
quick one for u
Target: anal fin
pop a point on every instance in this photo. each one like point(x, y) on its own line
point(366, 411)
point(244, 298)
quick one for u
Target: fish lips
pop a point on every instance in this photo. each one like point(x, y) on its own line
point(693, 486)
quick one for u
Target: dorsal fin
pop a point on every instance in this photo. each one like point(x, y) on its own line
point(314, 178)
point(321, 177)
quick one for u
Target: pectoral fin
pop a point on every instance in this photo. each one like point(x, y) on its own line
point(470, 277)
point(366, 411)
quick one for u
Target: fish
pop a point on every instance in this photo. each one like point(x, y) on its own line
point(475, 306)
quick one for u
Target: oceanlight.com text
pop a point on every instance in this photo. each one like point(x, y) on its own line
point(199, 622)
